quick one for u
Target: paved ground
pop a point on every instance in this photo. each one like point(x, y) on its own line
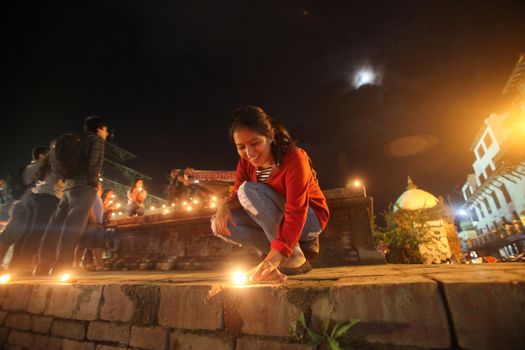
point(446, 273)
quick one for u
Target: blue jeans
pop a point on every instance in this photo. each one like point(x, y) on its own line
point(258, 219)
point(66, 225)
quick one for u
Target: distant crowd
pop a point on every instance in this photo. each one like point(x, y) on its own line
point(58, 220)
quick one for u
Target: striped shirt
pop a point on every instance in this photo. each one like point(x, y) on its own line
point(263, 174)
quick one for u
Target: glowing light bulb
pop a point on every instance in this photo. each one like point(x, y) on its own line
point(213, 205)
point(239, 278)
point(462, 212)
point(152, 207)
point(357, 183)
point(113, 214)
point(184, 203)
point(65, 277)
point(5, 278)
point(189, 208)
point(213, 198)
point(166, 211)
point(110, 202)
point(195, 201)
point(164, 206)
point(172, 204)
point(118, 205)
point(119, 213)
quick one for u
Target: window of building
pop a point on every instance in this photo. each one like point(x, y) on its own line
point(475, 215)
point(467, 192)
point(488, 170)
point(487, 206)
point(506, 194)
point(480, 151)
point(495, 199)
point(481, 178)
point(487, 140)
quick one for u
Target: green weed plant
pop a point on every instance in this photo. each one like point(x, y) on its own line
point(326, 338)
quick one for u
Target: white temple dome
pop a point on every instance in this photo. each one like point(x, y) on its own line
point(415, 199)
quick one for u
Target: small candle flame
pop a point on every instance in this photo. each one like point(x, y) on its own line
point(239, 278)
point(5, 278)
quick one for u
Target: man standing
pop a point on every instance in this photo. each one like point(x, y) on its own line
point(68, 222)
point(20, 216)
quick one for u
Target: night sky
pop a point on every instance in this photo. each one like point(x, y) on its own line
point(167, 75)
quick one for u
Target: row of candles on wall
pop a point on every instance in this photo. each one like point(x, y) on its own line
point(188, 205)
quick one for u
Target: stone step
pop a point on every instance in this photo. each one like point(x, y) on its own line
point(406, 306)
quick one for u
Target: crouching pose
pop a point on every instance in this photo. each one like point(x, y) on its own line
point(277, 198)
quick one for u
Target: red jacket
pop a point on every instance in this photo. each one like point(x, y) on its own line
point(294, 179)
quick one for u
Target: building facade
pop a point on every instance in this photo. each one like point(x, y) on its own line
point(495, 192)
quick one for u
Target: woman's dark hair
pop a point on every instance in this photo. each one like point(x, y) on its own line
point(105, 193)
point(93, 123)
point(135, 182)
point(43, 168)
point(254, 118)
point(38, 150)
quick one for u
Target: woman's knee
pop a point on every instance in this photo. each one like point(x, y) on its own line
point(247, 194)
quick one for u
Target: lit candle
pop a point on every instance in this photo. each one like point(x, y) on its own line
point(5, 278)
point(239, 278)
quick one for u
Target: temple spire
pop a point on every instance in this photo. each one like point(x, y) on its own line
point(410, 184)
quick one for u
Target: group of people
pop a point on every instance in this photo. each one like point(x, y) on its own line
point(49, 219)
point(276, 205)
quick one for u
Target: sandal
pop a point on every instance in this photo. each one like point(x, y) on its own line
point(290, 271)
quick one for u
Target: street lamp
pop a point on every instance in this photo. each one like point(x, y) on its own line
point(358, 183)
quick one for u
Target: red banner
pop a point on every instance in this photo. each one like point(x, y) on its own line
point(206, 175)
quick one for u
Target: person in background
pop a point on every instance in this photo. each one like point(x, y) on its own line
point(93, 240)
point(20, 214)
point(277, 202)
point(3, 199)
point(30, 172)
point(136, 198)
point(42, 202)
point(68, 222)
point(110, 203)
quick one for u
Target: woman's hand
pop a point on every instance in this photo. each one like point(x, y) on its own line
point(268, 270)
point(223, 217)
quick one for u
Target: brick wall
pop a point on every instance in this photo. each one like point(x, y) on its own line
point(201, 316)
point(184, 241)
